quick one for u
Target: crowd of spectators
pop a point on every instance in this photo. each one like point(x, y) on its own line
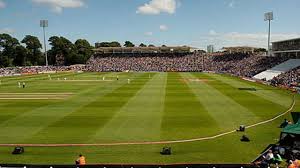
point(245, 65)
point(7, 71)
point(10, 71)
point(289, 79)
point(146, 62)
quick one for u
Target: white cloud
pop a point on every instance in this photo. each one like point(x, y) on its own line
point(231, 4)
point(57, 6)
point(2, 4)
point(242, 39)
point(212, 32)
point(149, 33)
point(163, 28)
point(7, 30)
point(155, 7)
point(256, 39)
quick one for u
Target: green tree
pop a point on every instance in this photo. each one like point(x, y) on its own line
point(115, 44)
point(108, 44)
point(8, 46)
point(42, 59)
point(62, 51)
point(20, 56)
point(260, 50)
point(83, 52)
point(33, 46)
point(151, 45)
point(143, 45)
point(4, 61)
point(103, 44)
point(128, 44)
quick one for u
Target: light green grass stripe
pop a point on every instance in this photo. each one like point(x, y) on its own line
point(228, 113)
point(140, 118)
point(184, 116)
point(25, 125)
point(266, 93)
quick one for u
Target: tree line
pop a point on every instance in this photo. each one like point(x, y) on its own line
point(27, 52)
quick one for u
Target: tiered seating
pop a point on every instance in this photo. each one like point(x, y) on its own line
point(288, 79)
point(279, 69)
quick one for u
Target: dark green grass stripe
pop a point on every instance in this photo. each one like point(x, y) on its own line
point(259, 106)
point(86, 120)
point(11, 109)
point(184, 116)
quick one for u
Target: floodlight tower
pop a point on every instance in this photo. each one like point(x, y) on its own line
point(44, 24)
point(269, 17)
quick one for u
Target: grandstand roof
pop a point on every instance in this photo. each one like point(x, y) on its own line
point(286, 40)
point(183, 49)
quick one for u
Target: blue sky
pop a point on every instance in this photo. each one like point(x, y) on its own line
point(196, 23)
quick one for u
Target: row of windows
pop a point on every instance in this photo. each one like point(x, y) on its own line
point(287, 45)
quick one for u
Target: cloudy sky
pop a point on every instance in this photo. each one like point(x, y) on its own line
point(196, 23)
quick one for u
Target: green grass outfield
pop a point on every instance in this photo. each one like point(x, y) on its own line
point(84, 109)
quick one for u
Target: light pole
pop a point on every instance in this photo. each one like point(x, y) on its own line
point(269, 17)
point(44, 24)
